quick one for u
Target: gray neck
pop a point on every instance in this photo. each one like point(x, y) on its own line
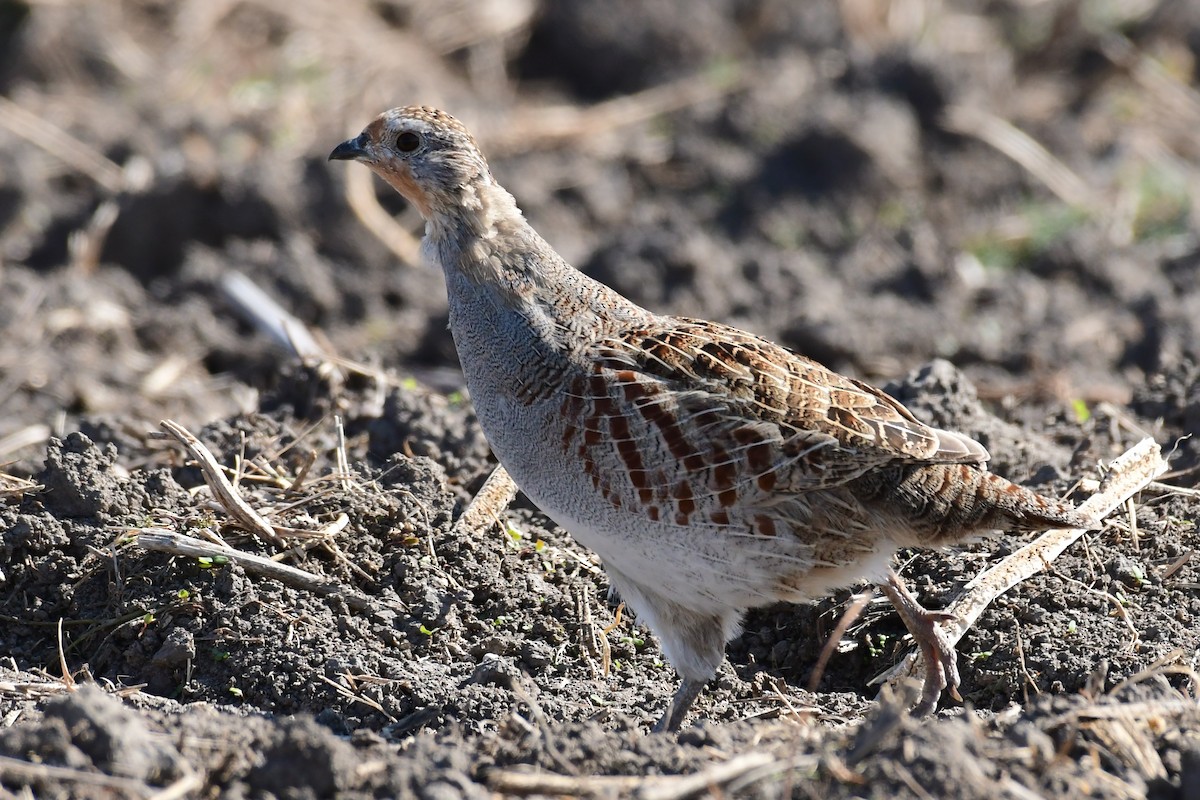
point(497, 266)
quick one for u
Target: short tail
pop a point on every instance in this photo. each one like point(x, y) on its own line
point(946, 503)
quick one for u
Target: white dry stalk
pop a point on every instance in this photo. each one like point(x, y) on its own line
point(12, 486)
point(28, 436)
point(268, 316)
point(1025, 151)
point(343, 462)
point(360, 196)
point(220, 486)
point(356, 697)
point(488, 504)
point(652, 787)
point(86, 245)
point(262, 311)
point(25, 690)
point(1127, 475)
point(67, 678)
point(551, 125)
point(165, 541)
point(54, 140)
point(854, 609)
point(311, 538)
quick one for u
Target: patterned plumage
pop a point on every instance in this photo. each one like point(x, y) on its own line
point(712, 470)
point(692, 421)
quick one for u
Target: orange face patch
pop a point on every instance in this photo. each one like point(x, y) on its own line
point(395, 172)
point(400, 178)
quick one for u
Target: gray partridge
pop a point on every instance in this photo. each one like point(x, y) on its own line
point(711, 470)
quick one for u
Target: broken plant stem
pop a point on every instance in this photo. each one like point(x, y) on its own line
point(311, 538)
point(220, 486)
point(343, 463)
point(62, 145)
point(488, 504)
point(360, 196)
point(658, 787)
point(266, 315)
point(1025, 151)
point(165, 541)
point(854, 609)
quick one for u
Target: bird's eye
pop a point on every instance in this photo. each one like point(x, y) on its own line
point(407, 141)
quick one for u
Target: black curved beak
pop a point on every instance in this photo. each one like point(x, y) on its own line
point(350, 150)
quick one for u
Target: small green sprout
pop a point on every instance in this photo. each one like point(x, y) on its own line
point(235, 691)
point(1082, 412)
point(1139, 577)
point(183, 594)
point(427, 631)
point(875, 644)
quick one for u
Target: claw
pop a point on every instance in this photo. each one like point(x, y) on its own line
point(937, 653)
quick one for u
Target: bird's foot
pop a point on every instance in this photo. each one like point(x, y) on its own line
point(689, 690)
point(937, 651)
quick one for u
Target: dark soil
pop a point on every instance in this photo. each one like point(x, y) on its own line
point(818, 191)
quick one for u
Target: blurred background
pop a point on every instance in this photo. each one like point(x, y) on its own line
point(1009, 184)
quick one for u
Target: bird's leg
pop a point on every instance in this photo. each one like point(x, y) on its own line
point(689, 690)
point(937, 652)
